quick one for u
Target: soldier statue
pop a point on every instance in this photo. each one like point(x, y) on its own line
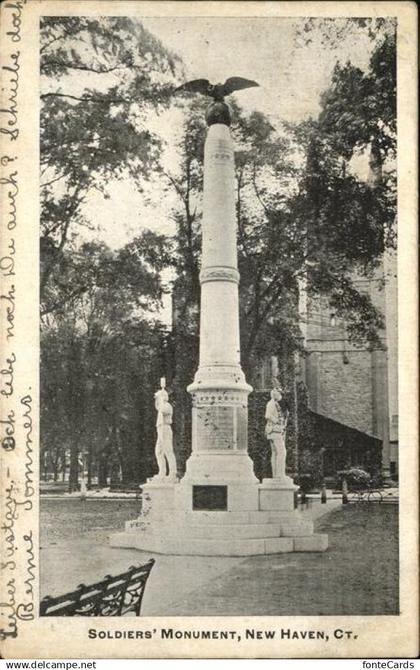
point(276, 416)
point(164, 449)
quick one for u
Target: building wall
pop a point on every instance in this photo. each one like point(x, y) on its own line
point(354, 385)
point(391, 309)
point(341, 390)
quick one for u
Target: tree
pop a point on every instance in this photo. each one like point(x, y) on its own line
point(358, 114)
point(99, 345)
point(360, 108)
point(100, 79)
point(330, 33)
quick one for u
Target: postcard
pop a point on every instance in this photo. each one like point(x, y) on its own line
point(209, 313)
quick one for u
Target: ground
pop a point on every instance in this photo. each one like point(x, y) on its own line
point(358, 575)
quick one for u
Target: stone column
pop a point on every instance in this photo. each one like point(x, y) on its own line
point(219, 390)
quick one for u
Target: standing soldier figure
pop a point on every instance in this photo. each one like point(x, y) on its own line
point(164, 449)
point(276, 415)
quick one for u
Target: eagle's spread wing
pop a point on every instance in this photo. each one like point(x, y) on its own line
point(236, 84)
point(195, 86)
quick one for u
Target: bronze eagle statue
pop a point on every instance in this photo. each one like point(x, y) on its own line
point(217, 91)
point(218, 111)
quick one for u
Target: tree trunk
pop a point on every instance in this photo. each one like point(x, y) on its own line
point(103, 470)
point(89, 465)
point(115, 479)
point(74, 467)
point(75, 406)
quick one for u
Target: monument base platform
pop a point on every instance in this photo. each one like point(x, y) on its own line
point(247, 519)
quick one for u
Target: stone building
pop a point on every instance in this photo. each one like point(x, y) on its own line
point(355, 385)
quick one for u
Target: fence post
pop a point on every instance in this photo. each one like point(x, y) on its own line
point(345, 490)
point(83, 489)
point(323, 494)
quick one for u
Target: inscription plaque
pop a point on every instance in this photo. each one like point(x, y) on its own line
point(215, 427)
point(242, 428)
point(210, 498)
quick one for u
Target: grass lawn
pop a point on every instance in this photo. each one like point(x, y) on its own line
point(358, 575)
point(67, 518)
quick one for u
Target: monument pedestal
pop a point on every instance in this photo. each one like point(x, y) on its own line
point(246, 519)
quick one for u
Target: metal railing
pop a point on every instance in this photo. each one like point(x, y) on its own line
point(113, 596)
point(370, 494)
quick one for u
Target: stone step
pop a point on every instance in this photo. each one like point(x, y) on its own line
point(225, 524)
point(187, 546)
point(234, 531)
point(290, 524)
point(283, 528)
point(226, 518)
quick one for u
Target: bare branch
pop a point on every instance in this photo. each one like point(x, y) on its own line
point(87, 68)
point(48, 183)
point(257, 193)
point(241, 230)
point(77, 201)
point(175, 184)
point(55, 39)
point(100, 101)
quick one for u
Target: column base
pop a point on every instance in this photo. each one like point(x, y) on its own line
point(235, 467)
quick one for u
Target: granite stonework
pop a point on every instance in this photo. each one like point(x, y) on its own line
point(259, 520)
point(244, 517)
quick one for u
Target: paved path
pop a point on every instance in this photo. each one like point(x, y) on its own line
point(351, 578)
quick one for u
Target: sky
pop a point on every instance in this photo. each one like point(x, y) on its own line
point(290, 78)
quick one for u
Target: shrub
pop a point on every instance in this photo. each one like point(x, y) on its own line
point(310, 469)
point(307, 482)
point(356, 478)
